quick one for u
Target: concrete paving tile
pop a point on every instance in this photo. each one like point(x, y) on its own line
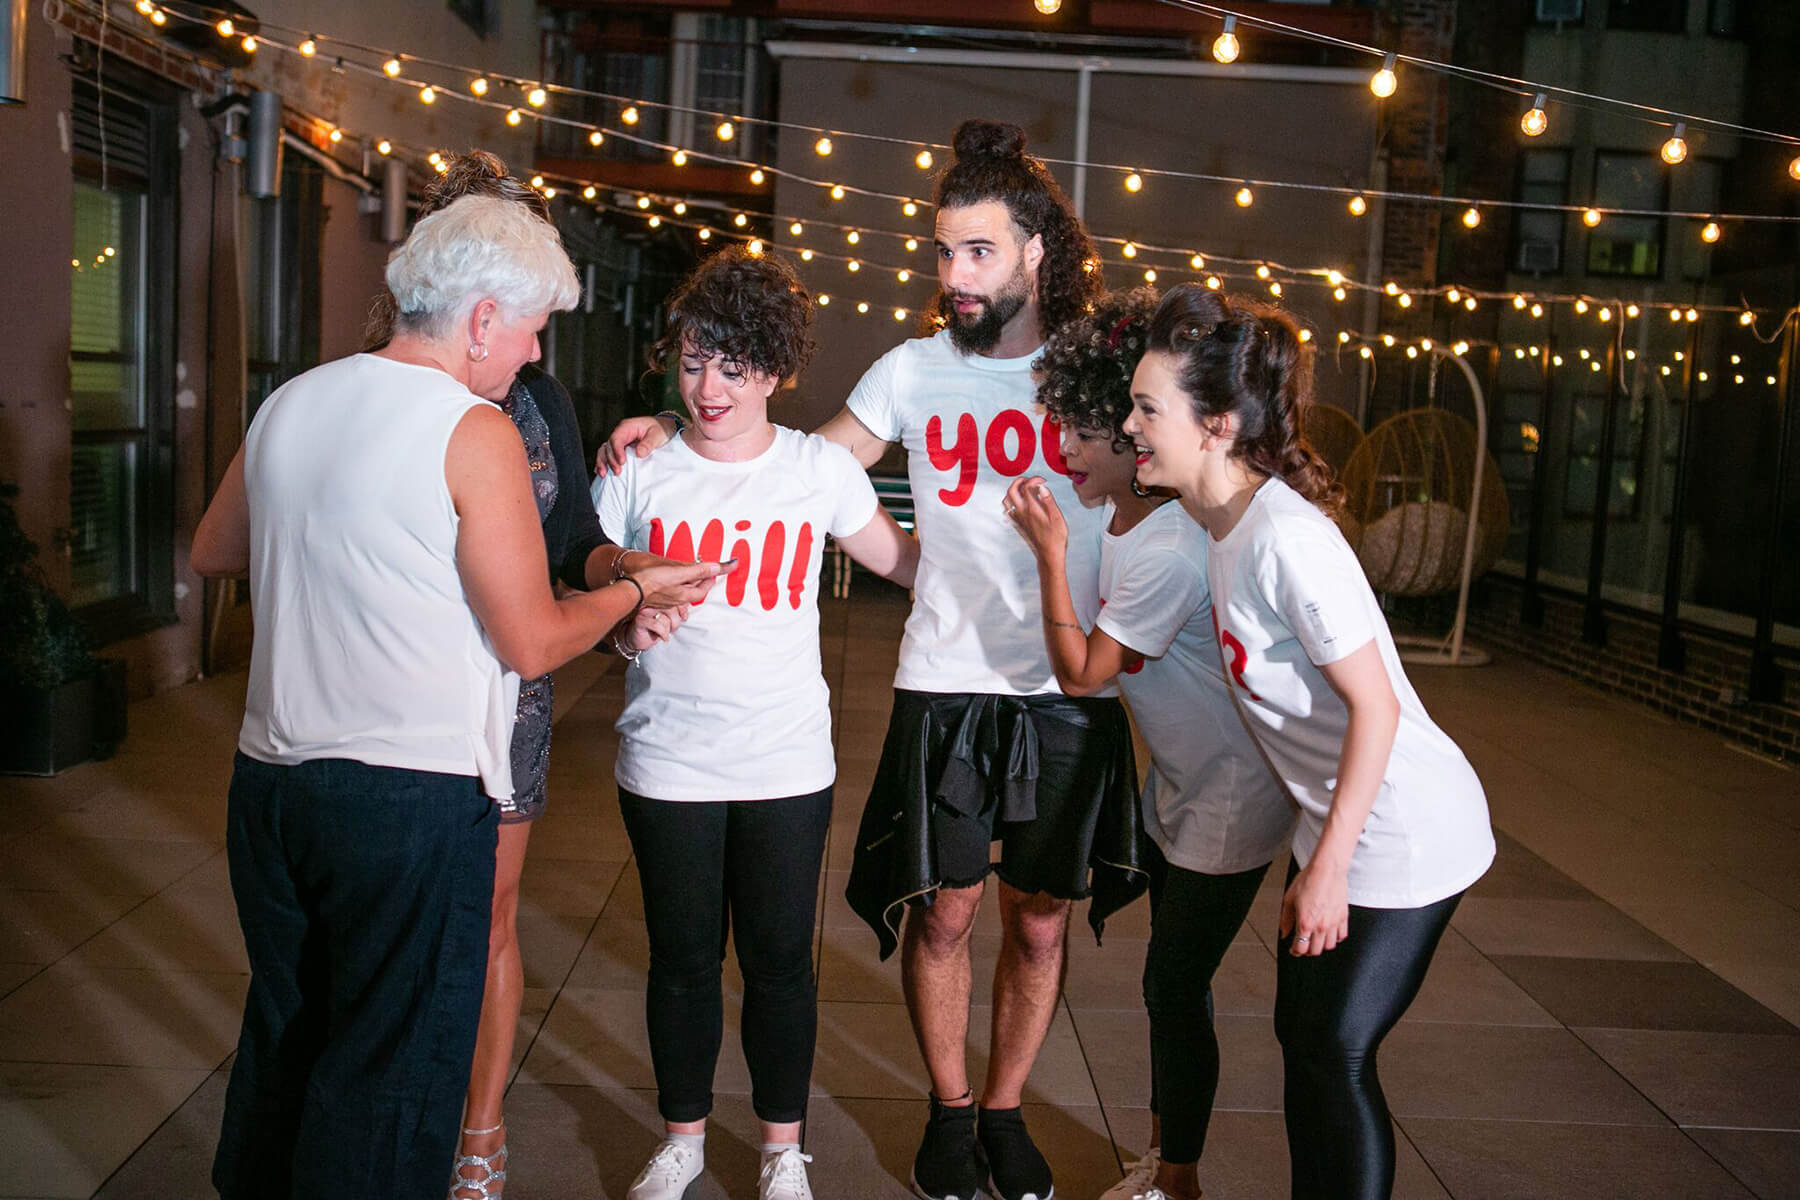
point(590, 1142)
point(1557, 928)
point(596, 1038)
point(1479, 1160)
point(67, 1128)
point(141, 814)
point(188, 927)
point(1112, 976)
point(568, 886)
point(1518, 874)
point(616, 957)
point(176, 1160)
point(1464, 987)
point(1117, 1044)
point(14, 974)
point(1746, 1080)
point(55, 862)
point(1504, 1072)
point(1766, 1161)
point(73, 1013)
point(41, 927)
point(1621, 994)
point(549, 943)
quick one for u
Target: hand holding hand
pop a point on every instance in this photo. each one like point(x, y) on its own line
point(1033, 509)
point(651, 626)
point(668, 583)
point(1316, 910)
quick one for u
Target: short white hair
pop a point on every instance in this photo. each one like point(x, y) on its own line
point(476, 248)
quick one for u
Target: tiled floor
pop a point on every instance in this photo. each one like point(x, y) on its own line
point(1610, 1014)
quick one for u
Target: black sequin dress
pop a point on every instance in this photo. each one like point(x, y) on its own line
point(531, 725)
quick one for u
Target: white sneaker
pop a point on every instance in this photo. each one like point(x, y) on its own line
point(1139, 1182)
point(784, 1177)
point(668, 1173)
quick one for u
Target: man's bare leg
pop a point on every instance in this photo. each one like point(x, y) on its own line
point(934, 969)
point(1027, 982)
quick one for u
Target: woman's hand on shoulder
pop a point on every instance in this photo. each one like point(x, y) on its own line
point(1033, 509)
point(633, 435)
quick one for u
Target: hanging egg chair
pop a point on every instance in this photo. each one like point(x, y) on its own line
point(1336, 437)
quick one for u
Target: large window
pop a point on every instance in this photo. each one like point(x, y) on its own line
point(121, 326)
point(1537, 233)
point(1625, 245)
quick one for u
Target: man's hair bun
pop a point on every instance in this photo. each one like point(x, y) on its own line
point(989, 139)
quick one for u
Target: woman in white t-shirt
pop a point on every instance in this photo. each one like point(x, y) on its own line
point(725, 763)
point(1216, 813)
point(1393, 822)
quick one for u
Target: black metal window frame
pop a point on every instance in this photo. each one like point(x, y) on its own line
point(1660, 202)
point(150, 602)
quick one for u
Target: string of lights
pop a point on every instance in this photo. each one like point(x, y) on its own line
point(480, 83)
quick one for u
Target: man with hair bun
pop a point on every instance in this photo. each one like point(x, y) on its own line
point(983, 745)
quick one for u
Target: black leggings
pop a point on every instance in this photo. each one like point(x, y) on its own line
point(1193, 918)
point(706, 868)
point(1331, 1013)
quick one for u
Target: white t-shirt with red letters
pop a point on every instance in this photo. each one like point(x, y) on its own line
point(1290, 596)
point(735, 706)
point(971, 426)
point(1211, 802)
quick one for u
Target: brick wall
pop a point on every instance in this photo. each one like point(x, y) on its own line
point(1709, 693)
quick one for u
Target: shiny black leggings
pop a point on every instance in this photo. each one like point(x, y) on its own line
point(1331, 1013)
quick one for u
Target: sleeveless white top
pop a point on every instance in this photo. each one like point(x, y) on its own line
point(366, 647)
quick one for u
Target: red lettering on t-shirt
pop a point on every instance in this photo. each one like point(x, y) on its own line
point(802, 557)
point(768, 578)
point(1011, 421)
point(1232, 651)
point(679, 545)
point(962, 455)
point(1053, 456)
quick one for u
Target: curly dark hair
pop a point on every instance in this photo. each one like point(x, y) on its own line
point(991, 164)
point(1088, 363)
point(477, 173)
point(1238, 355)
point(748, 307)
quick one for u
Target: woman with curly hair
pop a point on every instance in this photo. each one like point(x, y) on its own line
point(1216, 814)
point(725, 763)
point(1393, 823)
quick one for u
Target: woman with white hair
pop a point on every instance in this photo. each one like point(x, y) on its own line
point(382, 508)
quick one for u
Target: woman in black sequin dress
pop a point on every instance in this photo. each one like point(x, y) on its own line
point(580, 557)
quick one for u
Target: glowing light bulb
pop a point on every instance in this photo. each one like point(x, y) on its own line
point(249, 44)
point(1674, 315)
point(1453, 296)
point(680, 208)
point(900, 313)
point(1197, 263)
point(756, 246)
point(1604, 314)
point(629, 114)
point(514, 116)
point(1305, 335)
point(1225, 47)
point(1709, 232)
point(537, 181)
point(1383, 82)
point(1213, 282)
point(1537, 311)
point(537, 96)
point(1365, 352)
point(225, 27)
point(1461, 348)
point(309, 45)
point(903, 275)
point(1469, 303)
point(1343, 337)
point(1534, 122)
point(1412, 352)
point(479, 85)
point(1518, 301)
point(853, 237)
point(1746, 317)
point(822, 147)
point(1674, 150)
point(1425, 344)
point(740, 220)
point(145, 7)
point(1149, 274)
point(1471, 217)
point(1631, 310)
point(428, 95)
point(336, 136)
point(704, 235)
point(596, 138)
point(824, 298)
point(1134, 182)
point(758, 176)
point(384, 147)
point(923, 160)
point(837, 191)
point(726, 131)
point(909, 209)
point(159, 18)
point(1405, 300)
point(912, 244)
point(1358, 206)
point(550, 194)
point(679, 158)
point(853, 266)
point(1387, 339)
point(1275, 289)
point(1245, 197)
point(806, 256)
point(1391, 288)
point(434, 158)
point(1129, 250)
point(1262, 270)
point(392, 66)
point(643, 202)
point(1794, 169)
point(796, 229)
point(1692, 314)
point(1048, 7)
point(1339, 293)
point(589, 192)
point(1581, 306)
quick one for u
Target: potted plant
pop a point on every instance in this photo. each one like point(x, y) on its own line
point(59, 705)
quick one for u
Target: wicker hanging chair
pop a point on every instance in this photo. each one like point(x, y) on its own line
point(1336, 437)
point(1408, 488)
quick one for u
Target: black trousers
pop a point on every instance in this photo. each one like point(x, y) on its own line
point(748, 870)
point(364, 896)
point(1193, 918)
point(1331, 1013)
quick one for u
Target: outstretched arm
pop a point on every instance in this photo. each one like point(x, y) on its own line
point(884, 548)
point(850, 433)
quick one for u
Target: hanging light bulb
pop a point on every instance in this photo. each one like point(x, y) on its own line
point(629, 114)
point(853, 237)
point(806, 256)
point(1590, 217)
point(384, 147)
point(1383, 82)
point(249, 44)
point(145, 7)
point(1454, 296)
point(158, 17)
point(912, 244)
point(1343, 337)
point(1631, 310)
point(428, 95)
point(1461, 348)
point(537, 96)
point(596, 138)
point(1387, 339)
point(309, 45)
point(589, 192)
point(336, 136)
point(758, 176)
point(726, 131)
point(1197, 263)
point(679, 158)
point(1746, 317)
point(1692, 314)
point(740, 220)
point(1412, 352)
point(1365, 352)
point(1134, 182)
point(824, 298)
point(1262, 271)
point(900, 313)
point(755, 247)
point(1305, 335)
point(479, 85)
point(837, 191)
point(822, 147)
point(903, 275)
point(391, 66)
point(1469, 303)
point(923, 160)
point(1537, 312)
point(1581, 306)
point(909, 209)
point(853, 266)
point(1391, 288)
point(1149, 274)
point(434, 158)
point(643, 202)
point(1225, 47)
point(1404, 300)
point(1129, 250)
point(862, 307)
point(1534, 122)
point(1518, 300)
point(1338, 293)
point(1358, 206)
point(225, 27)
point(1794, 169)
point(1275, 288)
point(1675, 316)
point(1047, 7)
point(1709, 232)
point(1425, 344)
point(1675, 149)
point(705, 234)
point(680, 208)
point(655, 222)
point(1605, 314)
point(1213, 282)
point(514, 116)
point(1471, 217)
point(537, 181)
point(796, 229)
point(1245, 197)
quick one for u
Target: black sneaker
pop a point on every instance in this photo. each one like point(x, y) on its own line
point(1019, 1171)
point(947, 1166)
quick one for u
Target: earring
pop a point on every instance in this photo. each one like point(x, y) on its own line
point(1137, 489)
point(478, 352)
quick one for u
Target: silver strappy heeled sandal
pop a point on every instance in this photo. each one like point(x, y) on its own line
point(489, 1180)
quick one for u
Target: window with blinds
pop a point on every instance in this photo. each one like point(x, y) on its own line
point(120, 375)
